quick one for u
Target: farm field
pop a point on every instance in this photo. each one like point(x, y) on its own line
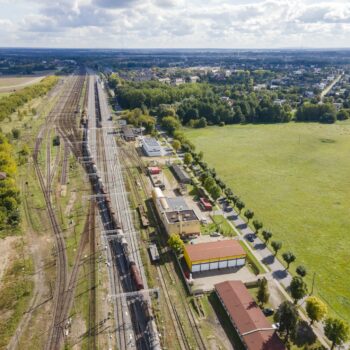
point(296, 179)
point(14, 83)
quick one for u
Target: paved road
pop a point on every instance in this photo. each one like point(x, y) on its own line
point(329, 87)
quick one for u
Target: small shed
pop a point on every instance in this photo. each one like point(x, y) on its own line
point(180, 174)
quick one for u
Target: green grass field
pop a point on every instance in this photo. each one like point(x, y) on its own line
point(296, 178)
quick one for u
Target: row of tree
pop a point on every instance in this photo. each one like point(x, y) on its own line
point(11, 103)
point(9, 193)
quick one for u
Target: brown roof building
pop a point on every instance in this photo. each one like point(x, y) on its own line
point(214, 255)
point(252, 326)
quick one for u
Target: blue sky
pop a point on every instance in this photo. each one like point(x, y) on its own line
point(175, 23)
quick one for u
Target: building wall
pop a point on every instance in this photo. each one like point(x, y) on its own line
point(214, 264)
point(185, 227)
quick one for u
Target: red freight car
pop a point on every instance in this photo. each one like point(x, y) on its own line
point(135, 274)
point(154, 170)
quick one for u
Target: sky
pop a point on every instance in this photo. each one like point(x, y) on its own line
point(175, 23)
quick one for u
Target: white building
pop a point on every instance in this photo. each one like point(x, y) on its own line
point(151, 147)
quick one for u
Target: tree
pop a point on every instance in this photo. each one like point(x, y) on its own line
point(200, 155)
point(343, 114)
point(267, 235)
point(176, 243)
point(257, 225)
point(337, 331)
point(188, 159)
point(16, 133)
point(316, 309)
point(215, 192)
point(209, 183)
point(240, 205)
point(301, 271)
point(298, 288)
point(288, 257)
point(176, 145)
point(287, 317)
point(276, 246)
point(249, 214)
point(263, 294)
point(170, 124)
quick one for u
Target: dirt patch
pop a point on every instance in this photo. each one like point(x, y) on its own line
point(7, 249)
point(10, 84)
point(70, 204)
point(76, 332)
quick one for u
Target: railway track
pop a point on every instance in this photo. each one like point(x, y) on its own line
point(62, 115)
point(134, 160)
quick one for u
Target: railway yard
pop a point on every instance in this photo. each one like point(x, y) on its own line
point(106, 277)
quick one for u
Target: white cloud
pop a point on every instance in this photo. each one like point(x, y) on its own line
point(180, 23)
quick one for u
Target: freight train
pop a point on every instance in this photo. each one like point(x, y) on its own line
point(99, 188)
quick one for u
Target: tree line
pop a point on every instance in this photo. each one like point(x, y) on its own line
point(9, 193)
point(11, 103)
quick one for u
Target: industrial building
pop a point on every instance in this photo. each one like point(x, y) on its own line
point(151, 147)
point(180, 174)
point(253, 328)
point(175, 215)
point(214, 255)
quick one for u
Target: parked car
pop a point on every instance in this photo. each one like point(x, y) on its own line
point(268, 311)
point(215, 234)
point(228, 209)
point(276, 326)
point(250, 238)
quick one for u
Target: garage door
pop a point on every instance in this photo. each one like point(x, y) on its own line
point(204, 267)
point(223, 264)
point(232, 263)
point(196, 268)
point(240, 262)
point(214, 265)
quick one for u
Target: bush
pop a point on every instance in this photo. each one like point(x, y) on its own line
point(328, 118)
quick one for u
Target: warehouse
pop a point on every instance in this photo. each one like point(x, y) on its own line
point(151, 147)
point(253, 328)
point(180, 174)
point(214, 255)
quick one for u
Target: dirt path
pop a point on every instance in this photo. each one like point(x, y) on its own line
point(6, 252)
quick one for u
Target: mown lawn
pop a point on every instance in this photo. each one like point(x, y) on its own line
point(296, 178)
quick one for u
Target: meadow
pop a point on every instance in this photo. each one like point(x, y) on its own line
point(296, 178)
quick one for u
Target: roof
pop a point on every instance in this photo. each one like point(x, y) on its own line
point(3, 176)
point(150, 142)
point(128, 132)
point(180, 173)
point(253, 327)
point(214, 250)
point(177, 203)
point(186, 215)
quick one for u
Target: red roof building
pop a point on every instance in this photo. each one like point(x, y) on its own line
point(254, 329)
